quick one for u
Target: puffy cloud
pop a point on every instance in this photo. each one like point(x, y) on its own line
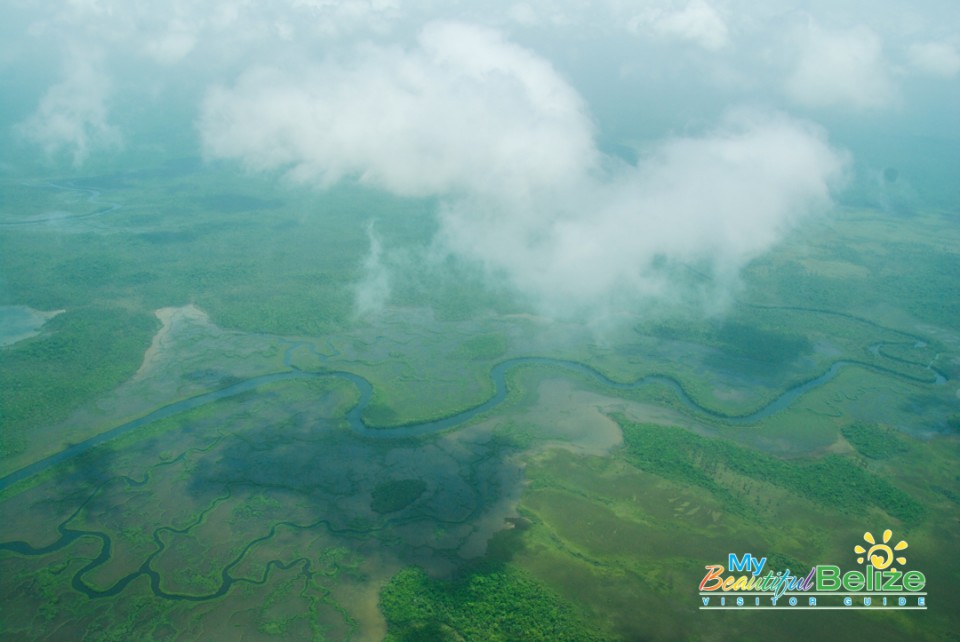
point(464, 111)
point(843, 68)
point(711, 203)
point(72, 115)
point(935, 58)
point(494, 130)
point(697, 21)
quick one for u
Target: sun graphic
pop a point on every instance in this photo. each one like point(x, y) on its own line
point(880, 555)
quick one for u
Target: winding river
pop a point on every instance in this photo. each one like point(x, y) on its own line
point(93, 198)
point(354, 416)
point(498, 375)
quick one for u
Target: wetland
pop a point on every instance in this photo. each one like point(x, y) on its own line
point(395, 321)
point(302, 482)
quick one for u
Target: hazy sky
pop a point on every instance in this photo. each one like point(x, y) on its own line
point(579, 151)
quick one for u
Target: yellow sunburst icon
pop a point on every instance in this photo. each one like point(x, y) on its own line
point(880, 555)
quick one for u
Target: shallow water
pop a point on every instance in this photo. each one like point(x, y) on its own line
point(19, 322)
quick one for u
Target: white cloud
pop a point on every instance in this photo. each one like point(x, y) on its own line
point(697, 21)
point(373, 290)
point(713, 202)
point(224, 28)
point(464, 111)
point(172, 45)
point(935, 58)
point(72, 115)
point(523, 14)
point(687, 44)
point(508, 145)
point(841, 68)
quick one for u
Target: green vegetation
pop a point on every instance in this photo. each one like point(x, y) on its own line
point(272, 489)
point(833, 481)
point(636, 548)
point(874, 442)
point(737, 339)
point(826, 268)
point(391, 496)
point(482, 347)
point(496, 604)
point(80, 354)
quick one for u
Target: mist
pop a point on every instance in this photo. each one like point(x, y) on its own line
point(585, 158)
